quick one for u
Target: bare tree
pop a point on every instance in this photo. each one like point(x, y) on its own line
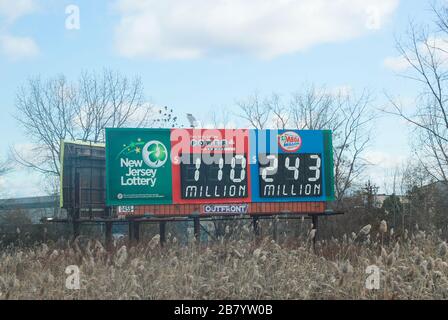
point(220, 118)
point(4, 168)
point(351, 134)
point(56, 109)
point(281, 113)
point(413, 175)
point(313, 108)
point(255, 111)
point(426, 54)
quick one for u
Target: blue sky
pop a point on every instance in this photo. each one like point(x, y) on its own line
point(205, 55)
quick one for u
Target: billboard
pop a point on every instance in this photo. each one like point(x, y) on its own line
point(292, 165)
point(217, 166)
point(82, 179)
point(210, 166)
point(138, 166)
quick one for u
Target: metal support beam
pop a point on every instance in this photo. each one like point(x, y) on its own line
point(256, 226)
point(274, 230)
point(131, 231)
point(136, 232)
point(76, 229)
point(108, 211)
point(44, 233)
point(108, 234)
point(166, 218)
point(315, 222)
point(197, 228)
point(162, 232)
point(76, 211)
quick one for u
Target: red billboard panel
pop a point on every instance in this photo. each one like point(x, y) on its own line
point(210, 165)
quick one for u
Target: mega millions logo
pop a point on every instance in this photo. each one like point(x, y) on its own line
point(155, 154)
point(289, 141)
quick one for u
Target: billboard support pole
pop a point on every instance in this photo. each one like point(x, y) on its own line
point(44, 232)
point(197, 229)
point(315, 222)
point(274, 230)
point(162, 230)
point(76, 231)
point(136, 232)
point(76, 212)
point(256, 226)
point(131, 231)
point(108, 235)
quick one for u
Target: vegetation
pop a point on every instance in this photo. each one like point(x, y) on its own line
point(414, 266)
point(56, 109)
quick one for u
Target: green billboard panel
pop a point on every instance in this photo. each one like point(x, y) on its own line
point(138, 166)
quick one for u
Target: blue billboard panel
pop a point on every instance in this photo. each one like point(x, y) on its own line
point(291, 165)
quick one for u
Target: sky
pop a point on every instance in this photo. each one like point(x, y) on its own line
point(197, 56)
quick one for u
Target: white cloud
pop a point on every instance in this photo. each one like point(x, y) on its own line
point(440, 47)
point(180, 29)
point(374, 18)
point(396, 64)
point(384, 160)
point(436, 46)
point(17, 48)
point(14, 9)
point(439, 43)
point(21, 183)
point(27, 150)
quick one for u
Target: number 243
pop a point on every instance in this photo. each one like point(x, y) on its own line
point(273, 166)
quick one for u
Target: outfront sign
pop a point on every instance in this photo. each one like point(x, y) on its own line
point(220, 209)
point(217, 166)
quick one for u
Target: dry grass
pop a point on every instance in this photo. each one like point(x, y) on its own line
point(412, 267)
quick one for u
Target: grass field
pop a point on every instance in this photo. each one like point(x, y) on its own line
point(411, 267)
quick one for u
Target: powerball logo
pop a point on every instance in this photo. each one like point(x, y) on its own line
point(289, 141)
